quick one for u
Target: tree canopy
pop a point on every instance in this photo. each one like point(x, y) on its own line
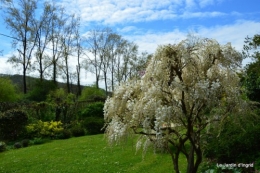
point(186, 87)
point(250, 78)
point(8, 91)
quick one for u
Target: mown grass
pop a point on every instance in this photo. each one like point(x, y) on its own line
point(82, 155)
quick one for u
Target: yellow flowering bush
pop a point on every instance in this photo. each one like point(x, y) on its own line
point(45, 129)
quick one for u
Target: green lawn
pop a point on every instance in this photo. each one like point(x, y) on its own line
point(84, 154)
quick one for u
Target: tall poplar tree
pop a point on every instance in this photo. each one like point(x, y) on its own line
point(20, 19)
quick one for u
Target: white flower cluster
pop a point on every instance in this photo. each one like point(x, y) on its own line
point(116, 130)
point(203, 84)
point(215, 85)
point(163, 117)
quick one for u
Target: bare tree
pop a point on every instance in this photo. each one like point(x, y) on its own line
point(20, 19)
point(97, 41)
point(79, 52)
point(43, 38)
point(114, 43)
point(67, 44)
point(57, 26)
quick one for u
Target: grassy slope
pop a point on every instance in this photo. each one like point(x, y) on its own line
point(84, 154)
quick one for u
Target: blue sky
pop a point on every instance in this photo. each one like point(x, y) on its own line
point(150, 23)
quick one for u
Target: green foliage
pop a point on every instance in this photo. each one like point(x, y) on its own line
point(25, 142)
point(64, 134)
point(236, 142)
point(59, 96)
point(251, 47)
point(93, 118)
point(63, 103)
point(39, 141)
point(42, 111)
point(8, 91)
point(77, 131)
point(251, 76)
point(93, 125)
point(93, 110)
point(251, 81)
point(45, 129)
point(12, 124)
point(17, 145)
point(92, 93)
point(40, 90)
point(2, 146)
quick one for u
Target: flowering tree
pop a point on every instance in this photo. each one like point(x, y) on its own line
point(186, 87)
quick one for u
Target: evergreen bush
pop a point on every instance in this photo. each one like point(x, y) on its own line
point(93, 125)
point(25, 142)
point(2, 146)
point(77, 131)
point(12, 124)
point(17, 145)
point(64, 134)
point(93, 110)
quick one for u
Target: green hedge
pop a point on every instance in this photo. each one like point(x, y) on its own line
point(12, 124)
point(93, 125)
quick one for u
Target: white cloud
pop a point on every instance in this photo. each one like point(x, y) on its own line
point(234, 33)
point(187, 15)
point(190, 4)
point(117, 11)
point(7, 68)
point(204, 3)
point(127, 29)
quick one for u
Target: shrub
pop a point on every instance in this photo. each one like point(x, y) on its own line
point(17, 145)
point(93, 93)
point(62, 101)
point(65, 134)
point(93, 110)
point(93, 125)
point(243, 147)
point(77, 131)
point(38, 141)
point(8, 91)
point(12, 124)
point(2, 146)
point(45, 129)
point(42, 111)
point(25, 142)
point(40, 90)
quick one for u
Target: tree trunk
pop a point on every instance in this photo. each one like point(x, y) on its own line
point(67, 74)
point(24, 81)
point(112, 76)
point(175, 156)
point(105, 78)
point(190, 159)
point(175, 160)
point(198, 159)
point(97, 79)
point(68, 83)
point(54, 71)
point(41, 69)
point(78, 82)
point(57, 113)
